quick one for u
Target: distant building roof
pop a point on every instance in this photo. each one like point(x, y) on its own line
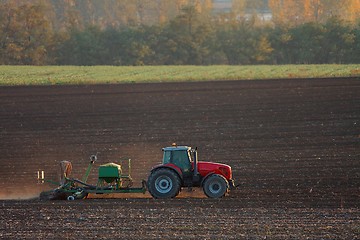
point(225, 6)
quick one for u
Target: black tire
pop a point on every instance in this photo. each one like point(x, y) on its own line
point(164, 183)
point(70, 198)
point(215, 186)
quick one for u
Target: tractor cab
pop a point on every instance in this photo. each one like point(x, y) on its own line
point(180, 157)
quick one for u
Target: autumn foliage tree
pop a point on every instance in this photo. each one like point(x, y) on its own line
point(294, 12)
point(25, 35)
point(182, 32)
point(244, 43)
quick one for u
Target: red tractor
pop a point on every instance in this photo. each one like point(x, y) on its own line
point(180, 168)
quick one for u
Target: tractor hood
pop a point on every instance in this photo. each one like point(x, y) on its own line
point(205, 168)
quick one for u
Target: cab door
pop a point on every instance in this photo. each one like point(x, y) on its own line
point(182, 160)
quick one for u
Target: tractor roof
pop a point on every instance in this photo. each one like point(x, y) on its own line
point(176, 148)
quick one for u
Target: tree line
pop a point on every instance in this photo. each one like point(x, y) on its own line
point(193, 37)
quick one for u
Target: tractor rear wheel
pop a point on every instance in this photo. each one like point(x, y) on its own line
point(215, 186)
point(164, 183)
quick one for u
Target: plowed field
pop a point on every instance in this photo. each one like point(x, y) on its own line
point(294, 147)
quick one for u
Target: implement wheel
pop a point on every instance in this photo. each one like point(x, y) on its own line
point(164, 183)
point(215, 186)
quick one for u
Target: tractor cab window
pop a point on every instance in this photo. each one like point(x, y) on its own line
point(182, 160)
point(167, 157)
point(179, 158)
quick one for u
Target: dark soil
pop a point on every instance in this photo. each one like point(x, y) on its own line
point(293, 146)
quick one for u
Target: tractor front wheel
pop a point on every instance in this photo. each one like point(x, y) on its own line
point(164, 183)
point(215, 186)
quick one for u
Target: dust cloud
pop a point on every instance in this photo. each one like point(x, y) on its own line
point(20, 193)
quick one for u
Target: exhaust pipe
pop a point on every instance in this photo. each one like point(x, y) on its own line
point(196, 176)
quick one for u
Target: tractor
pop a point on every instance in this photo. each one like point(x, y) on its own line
point(180, 168)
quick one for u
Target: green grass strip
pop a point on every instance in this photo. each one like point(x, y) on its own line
point(76, 75)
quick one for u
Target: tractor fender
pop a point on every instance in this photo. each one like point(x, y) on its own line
point(170, 166)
